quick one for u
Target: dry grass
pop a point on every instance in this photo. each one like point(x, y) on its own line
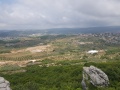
point(19, 63)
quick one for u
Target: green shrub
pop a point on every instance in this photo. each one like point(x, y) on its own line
point(10, 68)
point(66, 77)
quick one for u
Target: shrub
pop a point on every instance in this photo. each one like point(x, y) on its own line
point(10, 68)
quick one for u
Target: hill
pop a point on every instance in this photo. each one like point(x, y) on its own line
point(14, 33)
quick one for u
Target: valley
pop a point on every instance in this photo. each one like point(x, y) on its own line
point(55, 54)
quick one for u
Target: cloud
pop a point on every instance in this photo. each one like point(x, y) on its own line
point(38, 14)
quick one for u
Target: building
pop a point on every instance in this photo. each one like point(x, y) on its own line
point(92, 52)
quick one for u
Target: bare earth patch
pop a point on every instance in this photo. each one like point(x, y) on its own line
point(20, 63)
point(34, 49)
point(38, 49)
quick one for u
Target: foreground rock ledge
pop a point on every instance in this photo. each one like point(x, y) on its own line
point(95, 76)
point(4, 84)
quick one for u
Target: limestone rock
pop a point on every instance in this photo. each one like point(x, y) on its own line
point(84, 85)
point(4, 84)
point(97, 77)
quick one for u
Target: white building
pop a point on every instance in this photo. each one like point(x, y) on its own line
point(92, 51)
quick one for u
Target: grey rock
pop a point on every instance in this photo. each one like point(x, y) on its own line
point(97, 76)
point(84, 86)
point(2, 80)
point(3, 89)
point(4, 84)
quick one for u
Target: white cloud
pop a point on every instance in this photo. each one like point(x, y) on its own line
point(37, 14)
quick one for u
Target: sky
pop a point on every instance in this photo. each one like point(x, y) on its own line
point(44, 14)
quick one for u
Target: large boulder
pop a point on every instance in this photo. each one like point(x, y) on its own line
point(96, 76)
point(4, 84)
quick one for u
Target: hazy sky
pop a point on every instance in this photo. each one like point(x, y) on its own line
point(38, 14)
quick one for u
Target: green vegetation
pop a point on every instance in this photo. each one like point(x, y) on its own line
point(4, 51)
point(6, 68)
point(65, 77)
point(43, 78)
point(59, 67)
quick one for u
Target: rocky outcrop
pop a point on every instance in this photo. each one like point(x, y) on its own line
point(4, 84)
point(95, 76)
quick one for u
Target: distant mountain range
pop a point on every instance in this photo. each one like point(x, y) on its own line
point(113, 29)
point(10, 33)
